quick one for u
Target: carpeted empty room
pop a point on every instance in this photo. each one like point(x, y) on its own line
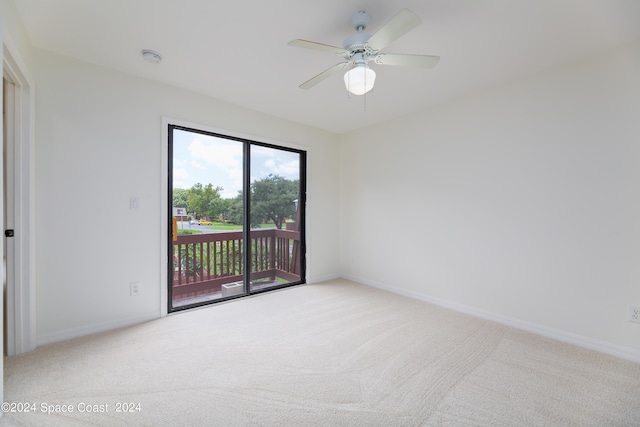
point(320, 213)
point(336, 354)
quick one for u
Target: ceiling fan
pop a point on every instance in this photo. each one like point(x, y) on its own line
point(359, 49)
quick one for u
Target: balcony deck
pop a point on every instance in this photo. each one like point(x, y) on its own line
point(199, 299)
point(202, 263)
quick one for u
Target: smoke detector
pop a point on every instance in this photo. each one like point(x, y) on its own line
point(151, 56)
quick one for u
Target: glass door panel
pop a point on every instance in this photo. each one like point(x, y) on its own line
point(206, 183)
point(276, 200)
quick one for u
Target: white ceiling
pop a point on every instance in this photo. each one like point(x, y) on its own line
point(237, 51)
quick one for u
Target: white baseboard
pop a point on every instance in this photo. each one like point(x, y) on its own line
point(95, 328)
point(323, 278)
point(627, 353)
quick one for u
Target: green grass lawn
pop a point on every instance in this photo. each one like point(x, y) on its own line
point(230, 227)
point(224, 226)
point(182, 232)
point(220, 226)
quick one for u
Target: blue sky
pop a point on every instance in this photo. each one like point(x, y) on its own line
point(208, 159)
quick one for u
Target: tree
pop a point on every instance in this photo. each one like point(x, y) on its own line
point(180, 198)
point(273, 198)
point(234, 209)
point(225, 206)
point(205, 200)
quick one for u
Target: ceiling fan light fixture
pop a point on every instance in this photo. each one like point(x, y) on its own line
point(360, 48)
point(360, 79)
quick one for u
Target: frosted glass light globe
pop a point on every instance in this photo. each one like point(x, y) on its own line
point(360, 79)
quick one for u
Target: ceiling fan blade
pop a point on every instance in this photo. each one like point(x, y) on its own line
point(323, 75)
point(317, 46)
point(402, 60)
point(399, 25)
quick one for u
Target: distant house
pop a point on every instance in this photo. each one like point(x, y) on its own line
point(180, 214)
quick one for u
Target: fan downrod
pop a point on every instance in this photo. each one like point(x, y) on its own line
point(356, 42)
point(360, 20)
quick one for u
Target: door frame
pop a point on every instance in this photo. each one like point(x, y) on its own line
point(164, 193)
point(20, 301)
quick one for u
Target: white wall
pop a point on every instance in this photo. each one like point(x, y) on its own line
point(521, 203)
point(98, 143)
point(13, 29)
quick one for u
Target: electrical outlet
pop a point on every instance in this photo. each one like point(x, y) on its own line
point(634, 313)
point(134, 288)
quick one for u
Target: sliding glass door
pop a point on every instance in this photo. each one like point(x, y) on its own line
point(275, 217)
point(236, 216)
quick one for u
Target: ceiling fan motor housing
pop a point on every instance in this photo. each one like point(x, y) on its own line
point(355, 42)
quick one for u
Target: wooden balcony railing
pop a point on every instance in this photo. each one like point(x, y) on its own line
point(202, 263)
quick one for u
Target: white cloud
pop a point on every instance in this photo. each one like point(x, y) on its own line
point(180, 178)
point(224, 156)
point(196, 164)
point(180, 174)
point(289, 169)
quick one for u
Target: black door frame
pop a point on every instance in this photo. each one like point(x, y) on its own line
point(246, 229)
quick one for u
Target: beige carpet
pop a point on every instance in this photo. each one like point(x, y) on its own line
point(333, 354)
